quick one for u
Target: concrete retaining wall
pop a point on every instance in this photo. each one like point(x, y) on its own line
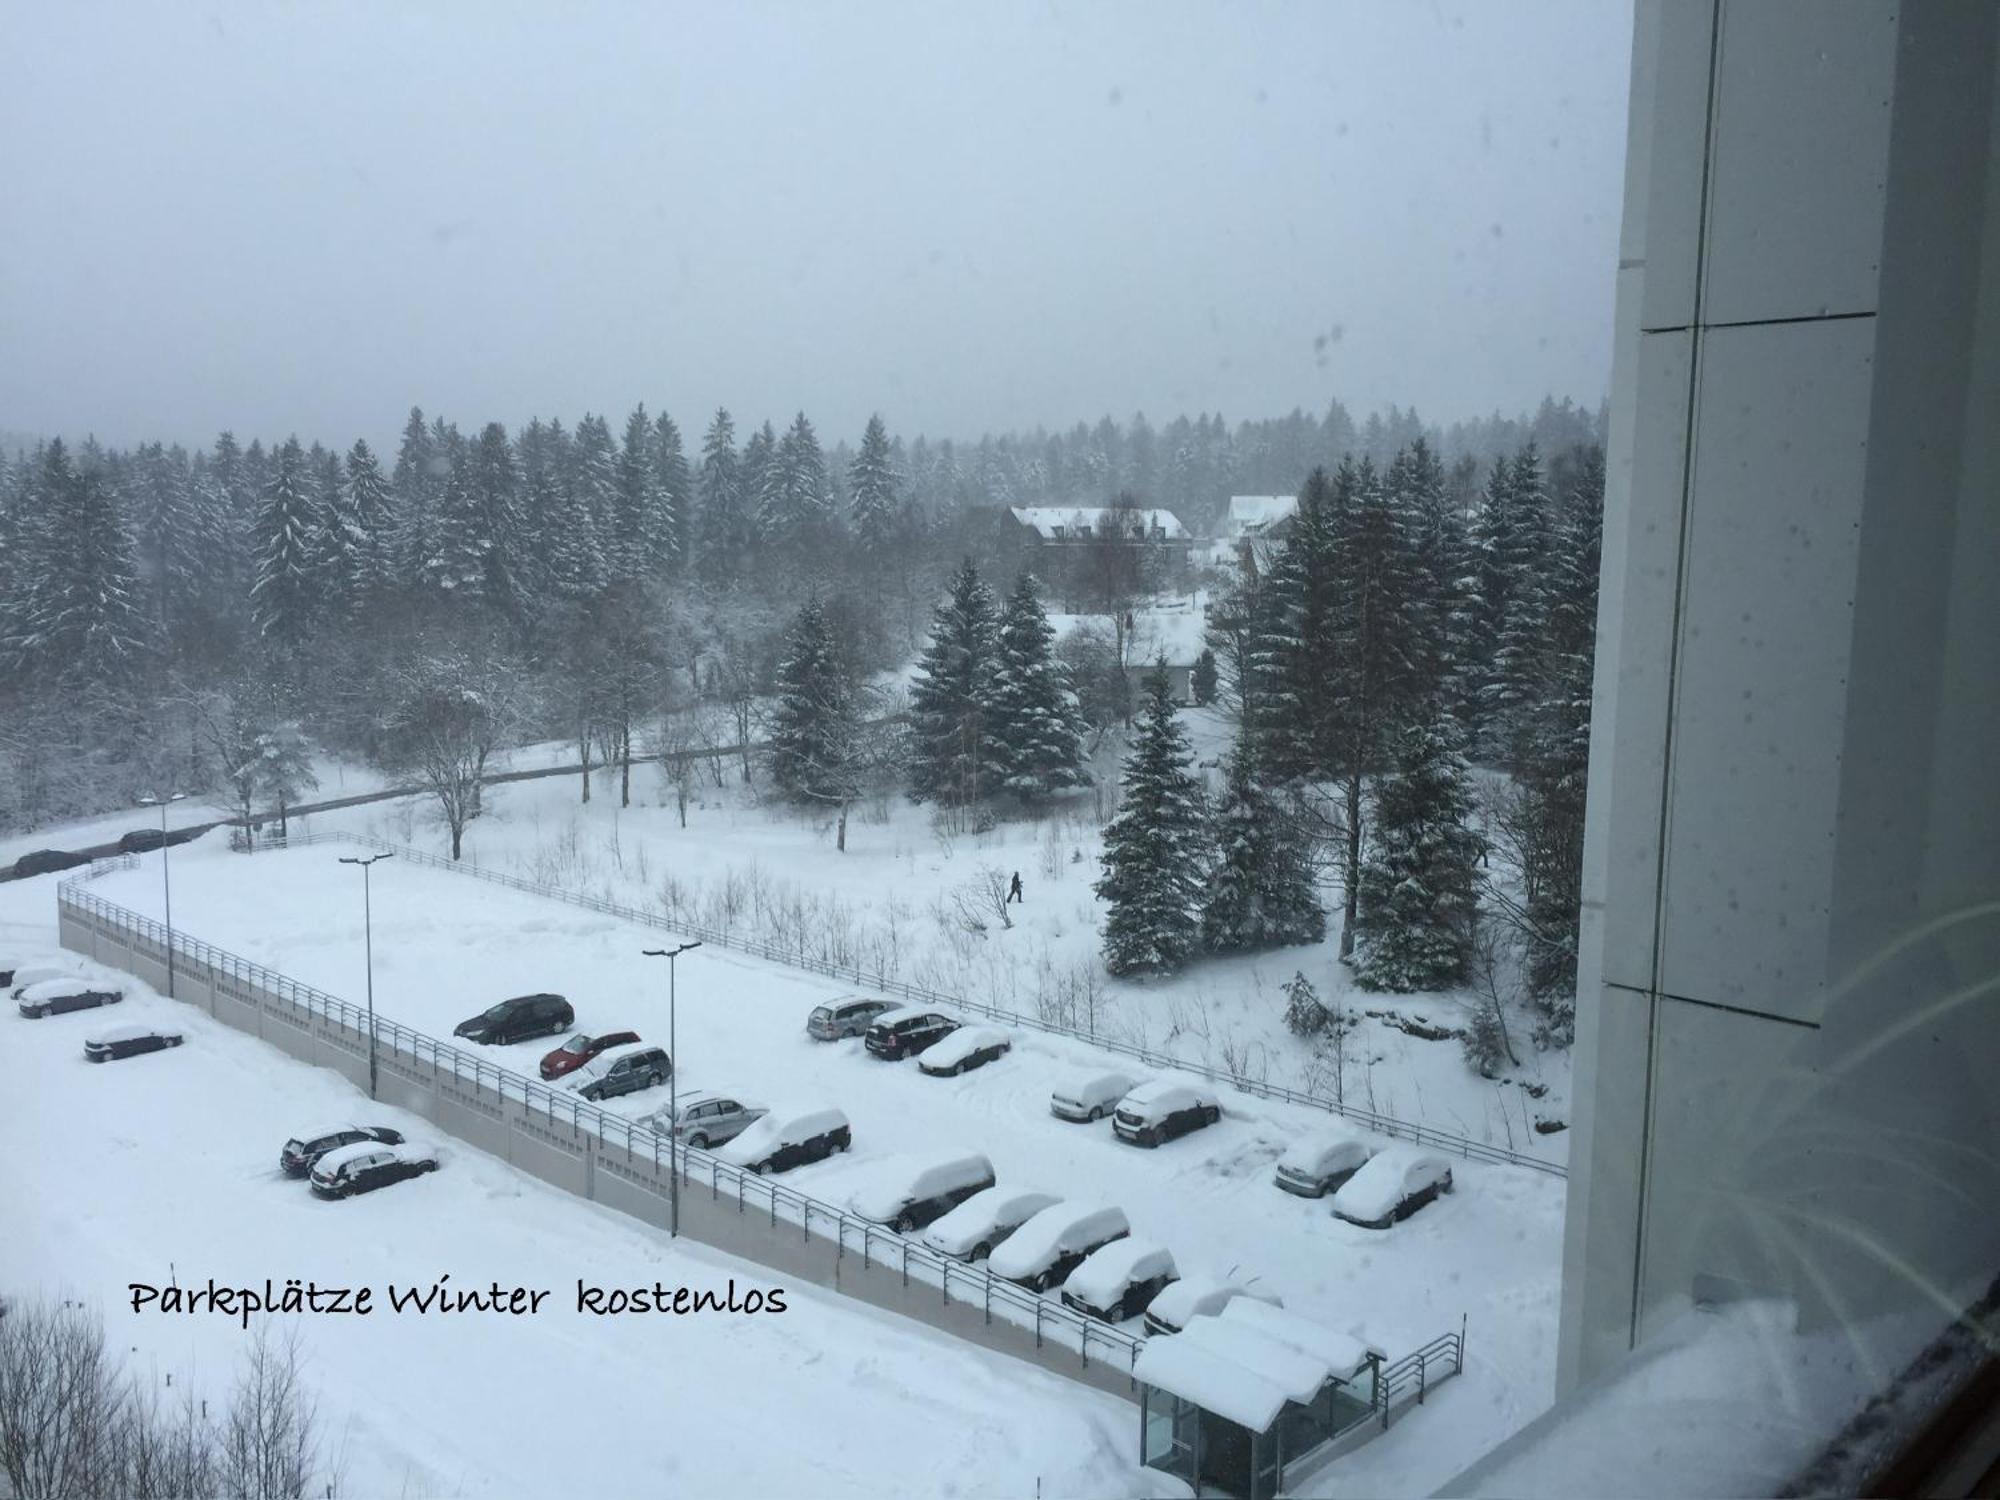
point(568, 1155)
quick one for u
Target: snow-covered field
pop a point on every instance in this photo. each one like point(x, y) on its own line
point(445, 947)
point(165, 1165)
point(891, 903)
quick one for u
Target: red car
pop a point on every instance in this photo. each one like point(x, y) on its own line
point(580, 1049)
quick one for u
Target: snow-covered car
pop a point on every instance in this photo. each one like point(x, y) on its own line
point(966, 1048)
point(1318, 1163)
point(9, 967)
point(907, 1196)
point(622, 1070)
point(850, 1015)
point(1194, 1296)
point(302, 1152)
point(34, 974)
point(55, 997)
point(579, 1050)
point(782, 1140)
point(368, 1165)
point(985, 1220)
point(1043, 1251)
point(1116, 1282)
point(1090, 1096)
point(906, 1032)
point(1160, 1111)
point(130, 1041)
point(707, 1120)
point(1392, 1186)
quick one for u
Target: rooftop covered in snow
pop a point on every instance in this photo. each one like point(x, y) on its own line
point(1081, 523)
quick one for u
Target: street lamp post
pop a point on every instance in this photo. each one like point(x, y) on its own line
point(166, 877)
point(673, 1086)
point(368, 941)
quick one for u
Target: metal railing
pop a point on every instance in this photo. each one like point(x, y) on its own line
point(237, 978)
point(1382, 1124)
point(1419, 1370)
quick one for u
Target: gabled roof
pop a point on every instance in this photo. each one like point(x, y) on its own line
point(1044, 519)
point(1249, 514)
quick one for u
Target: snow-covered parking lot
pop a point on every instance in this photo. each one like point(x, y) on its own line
point(166, 1166)
point(446, 947)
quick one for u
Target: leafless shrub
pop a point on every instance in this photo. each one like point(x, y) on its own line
point(270, 1438)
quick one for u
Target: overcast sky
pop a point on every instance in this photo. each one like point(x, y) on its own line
point(292, 217)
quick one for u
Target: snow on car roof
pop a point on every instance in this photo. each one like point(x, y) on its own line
point(1343, 1353)
point(985, 1208)
point(964, 1040)
point(1193, 1295)
point(895, 1183)
point(133, 1032)
point(1036, 1242)
point(1105, 1273)
point(340, 1156)
point(1313, 1153)
point(599, 1065)
point(1095, 1085)
point(1380, 1184)
point(54, 989)
point(904, 1013)
point(781, 1128)
point(1168, 1091)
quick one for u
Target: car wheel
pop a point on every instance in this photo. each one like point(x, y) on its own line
point(760, 1167)
point(902, 1224)
point(1214, 1115)
point(698, 1142)
point(1155, 1136)
point(657, 1077)
point(981, 1250)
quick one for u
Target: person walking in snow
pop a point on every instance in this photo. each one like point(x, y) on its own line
point(1014, 890)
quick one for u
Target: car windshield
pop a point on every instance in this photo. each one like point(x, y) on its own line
point(496, 1012)
point(578, 1043)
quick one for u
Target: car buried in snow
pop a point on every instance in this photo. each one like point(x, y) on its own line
point(963, 1050)
point(1116, 1281)
point(302, 1152)
point(795, 1137)
point(1392, 1186)
point(1315, 1165)
point(982, 1222)
point(56, 997)
point(908, 1197)
point(1090, 1096)
point(1163, 1110)
point(368, 1165)
point(131, 1041)
point(1043, 1251)
point(1194, 1296)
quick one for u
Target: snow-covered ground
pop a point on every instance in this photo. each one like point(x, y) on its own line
point(165, 1165)
point(446, 947)
point(891, 903)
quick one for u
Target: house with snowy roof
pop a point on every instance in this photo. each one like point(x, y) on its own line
point(1078, 525)
point(1252, 527)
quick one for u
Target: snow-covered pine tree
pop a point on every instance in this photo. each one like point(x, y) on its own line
point(1555, 757)
point(813, 732)
point(284, 768)
point(496, 494)
point(1033, 721)
point(285, 544)
point(1289, 694)
point(792, 506)
point(1419, 895)
point(721, 538)
point(628, 546)
point(78, 622)
point(336, 558)
point(762, 482)
point(593, 478)
point(371, 509)
point(1262, 892)
point(951, 760)
point(1523, 558)
point(1156, 850)
point(871, 483)
point(1202, 680)
point(666, 534)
